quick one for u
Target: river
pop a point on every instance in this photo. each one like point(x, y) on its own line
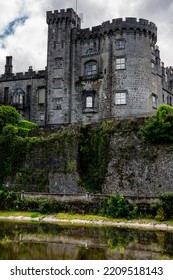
point(34, 241)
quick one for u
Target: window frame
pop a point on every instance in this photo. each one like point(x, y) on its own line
point(120, 44)
point(89, 102)
point(121, 100)
point(120, 63)
point(89, 71)
point(154, 100)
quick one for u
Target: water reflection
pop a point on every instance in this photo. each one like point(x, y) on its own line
point(49, 241)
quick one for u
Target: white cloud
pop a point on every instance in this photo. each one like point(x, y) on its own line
point(28, 44)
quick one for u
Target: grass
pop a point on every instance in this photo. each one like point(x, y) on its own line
point(82, 217)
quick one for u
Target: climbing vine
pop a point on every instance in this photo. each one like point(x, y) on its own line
point(93, 157)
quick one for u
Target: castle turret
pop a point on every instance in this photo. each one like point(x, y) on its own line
point(59, 62)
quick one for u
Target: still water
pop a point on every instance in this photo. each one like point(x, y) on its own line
point(29, 241)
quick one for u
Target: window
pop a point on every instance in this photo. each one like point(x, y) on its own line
point(57, 103)
point(152, 65)
point(58, 83)
point(120, 44)
point(59, 62)
point(120, 63)
point(163, 97)
point(20, 98)
point(41, 117)
point(91, 68)
point(89, 102)
point(6, 95)
point(152, 48)
point(91, 48)
point(154, 100)
point(41, 96)
point(169, 100)
point(120, 98)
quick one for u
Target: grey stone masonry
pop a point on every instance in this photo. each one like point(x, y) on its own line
point(110, 71)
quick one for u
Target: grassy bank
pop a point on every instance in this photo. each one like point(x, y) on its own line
point(88, 220)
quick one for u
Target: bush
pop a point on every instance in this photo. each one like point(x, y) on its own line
point(119, 207)
point(23, 132)
point(165, 211)
point(8, 115)
point(48, 206)
point(27, 124)
point(159, 128)
point(7, 200)
point(27, 204)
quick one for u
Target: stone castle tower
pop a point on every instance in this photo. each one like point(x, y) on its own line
point(110, 71)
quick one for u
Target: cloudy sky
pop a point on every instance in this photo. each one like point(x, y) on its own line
point(23, 29)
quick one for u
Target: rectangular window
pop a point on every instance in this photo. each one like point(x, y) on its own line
point(41, 117)
point(6, 95)
point(120, 63)
point(154, 100)
point(59, 62)
point(120, 98)
point(163, 97)
point(58, 82)
point(120, 44)
point(20, 98)
point(152, 65)
point(91, 68)
point(89, 102)
point(41, 96)
point(57, 103)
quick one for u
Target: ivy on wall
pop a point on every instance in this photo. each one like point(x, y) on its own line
point(93, 157)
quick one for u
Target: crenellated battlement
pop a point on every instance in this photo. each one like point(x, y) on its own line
point(24, 75)
point(63, 14)
point(130, 24)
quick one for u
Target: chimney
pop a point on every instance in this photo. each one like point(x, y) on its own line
point(9, 66)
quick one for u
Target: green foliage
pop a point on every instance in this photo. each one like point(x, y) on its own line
point(12, 201)
point(48, 206)
point(9, 132)
point(8, 115)
point(165, 210)
point(119, 207)
point(12, 144)
point(93, 157)
point(7, 200)
point(27, 124)
point(159, 129)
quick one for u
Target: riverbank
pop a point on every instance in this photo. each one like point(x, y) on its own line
point(77, 219)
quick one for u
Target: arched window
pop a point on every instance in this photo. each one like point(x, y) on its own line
point(91, 68)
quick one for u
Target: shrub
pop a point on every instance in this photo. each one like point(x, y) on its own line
point(7, 200)
point(119, 207)
point(23, 132)
point(48, 206)
point(166, 206)
point(160, 127)
point(8, 115)
point(27, 124)
point(9, 132)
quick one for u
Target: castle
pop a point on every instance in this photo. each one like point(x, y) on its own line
point(112, 71)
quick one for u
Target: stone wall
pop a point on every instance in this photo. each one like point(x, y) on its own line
point(135, 168)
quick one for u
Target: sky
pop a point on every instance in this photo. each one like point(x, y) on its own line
point(23, 28)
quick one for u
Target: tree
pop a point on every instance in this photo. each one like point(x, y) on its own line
point(159, 128)
point(8, 115)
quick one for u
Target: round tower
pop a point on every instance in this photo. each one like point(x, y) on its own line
point(134, 81)
point(59, 63)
